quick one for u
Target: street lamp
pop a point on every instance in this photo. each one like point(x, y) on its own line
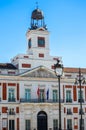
point(7, 118)
point(80, 80)
point(58, 71)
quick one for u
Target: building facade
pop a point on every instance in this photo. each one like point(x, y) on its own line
point(29, 91)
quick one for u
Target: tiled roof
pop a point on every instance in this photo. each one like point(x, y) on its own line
point(7, 66)
point(74, 70)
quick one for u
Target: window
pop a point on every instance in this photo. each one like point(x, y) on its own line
point(11, 94)
point(27, 94)
point(55, 124)
point(11, 125)
point(69, 111)
point(41, 95)
point(69, 124)
point(41, 42)
point(82, 123)
point(27, 125)
point(11, 111)
point(80, 95)
point(29, 43)
point(55, 95)
point(68, 96)
point(4, 123)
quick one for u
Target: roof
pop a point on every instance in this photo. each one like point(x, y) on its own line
point(7, 66)
point(37, 14)
point(74, 70)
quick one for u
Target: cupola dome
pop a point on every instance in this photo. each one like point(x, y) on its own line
point(37, 14)
point(37, 19)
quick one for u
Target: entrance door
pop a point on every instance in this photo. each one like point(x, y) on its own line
point(11, 125)
point(42, 121)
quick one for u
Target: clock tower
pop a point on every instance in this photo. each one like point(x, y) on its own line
point(38, 53)
point(38, 35)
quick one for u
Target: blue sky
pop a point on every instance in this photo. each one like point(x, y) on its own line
point(65, 19)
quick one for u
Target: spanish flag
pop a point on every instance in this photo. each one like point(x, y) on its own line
point(38, 91)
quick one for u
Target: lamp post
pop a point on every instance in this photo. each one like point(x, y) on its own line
point(80, 80)
point(7, 118)
point(58, 71)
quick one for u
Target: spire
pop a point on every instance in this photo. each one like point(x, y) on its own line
point(36, 5)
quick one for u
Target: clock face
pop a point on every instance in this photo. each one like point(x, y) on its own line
point(59, 71)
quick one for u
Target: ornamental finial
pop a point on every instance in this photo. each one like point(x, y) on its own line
point(36, 4)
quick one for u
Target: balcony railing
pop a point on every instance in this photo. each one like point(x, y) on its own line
point(11, 99)
point(40, 100)
point(69, 113)
point(11, 113)
point(80, 100)
point(69, 100)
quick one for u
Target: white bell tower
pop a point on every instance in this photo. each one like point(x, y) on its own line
point(38, 35)
point(38, 53)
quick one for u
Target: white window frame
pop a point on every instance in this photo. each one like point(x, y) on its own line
point(24, 92)
point(15, 94)
point(70, 89)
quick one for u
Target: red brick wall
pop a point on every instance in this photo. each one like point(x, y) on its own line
point(75, 110)
point(4, 109)
point(26, 65)
point(11, 84)
point(17, 109)
point(4, 128)
point(68, 86)
point(4, 91)
point(17, 123)
point(76, 127)
point(85, 93)
point(41, 55)
point(17, 91)
point(64, 110)
point(64, 123)
point(26, 56)
point(74, 93)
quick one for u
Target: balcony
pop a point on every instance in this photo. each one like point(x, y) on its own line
point(81, 100)
point(11, 113)
point(11, 100)
point(40, 100)
point(69, 100)
point(69, 113)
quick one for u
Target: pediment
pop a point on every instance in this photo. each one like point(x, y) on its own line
point(40, 72)
point(41, 29)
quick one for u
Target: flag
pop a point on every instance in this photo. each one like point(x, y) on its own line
point(48, 94)
point(38, 92)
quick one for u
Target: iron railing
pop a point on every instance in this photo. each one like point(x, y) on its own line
point(40, 100)
point(11, 100)
point(69, 100)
